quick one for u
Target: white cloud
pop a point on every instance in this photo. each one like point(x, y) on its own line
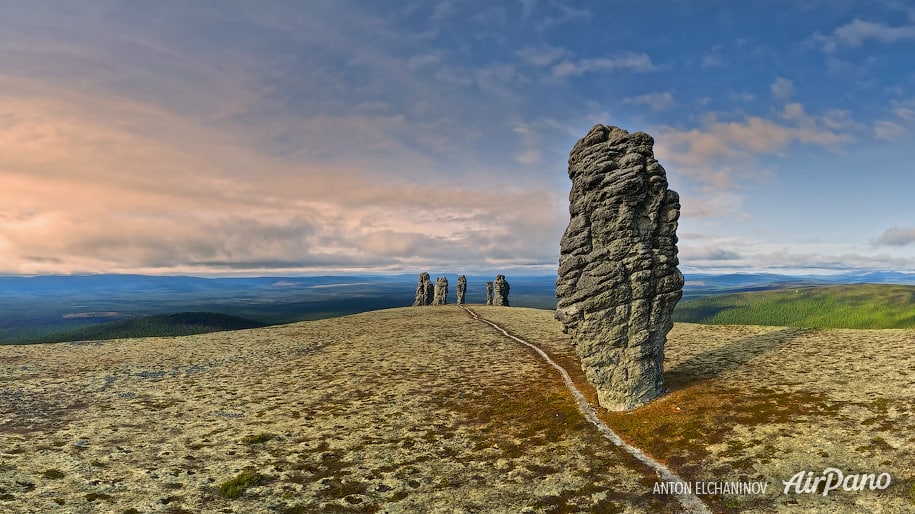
point(657, 101)
point(565, 15)
point(782, 88)
point(422, 60)
point(889, 130)
point(498, 78)
point(743, 97)
point(904, 109)
point(542, 55)
point(443, 10)
point(711, 202)
point(706, 253)
point(636, 62)
point(711, 61)
point(858, 31)
point(527, 7)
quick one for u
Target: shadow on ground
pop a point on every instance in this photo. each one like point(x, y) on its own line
point(711, 364)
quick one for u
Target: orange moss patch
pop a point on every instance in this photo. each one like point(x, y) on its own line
point(678, 428)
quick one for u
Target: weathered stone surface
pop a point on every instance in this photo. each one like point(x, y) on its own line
point(618, 278)
point(441, 291)
point(488, 293)
point(424, 291)
point(500, 290)
point(461, 289)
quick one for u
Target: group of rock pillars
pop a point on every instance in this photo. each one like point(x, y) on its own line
point(427, 294)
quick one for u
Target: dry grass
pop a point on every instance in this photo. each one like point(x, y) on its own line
point(426, 410)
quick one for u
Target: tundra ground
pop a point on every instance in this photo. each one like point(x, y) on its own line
point(426, 410)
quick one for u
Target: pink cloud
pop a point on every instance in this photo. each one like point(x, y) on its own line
point(97, 184)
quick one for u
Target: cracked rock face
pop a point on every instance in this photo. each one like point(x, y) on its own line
point(461, 289)
point(500, 290)
point(441, 291)
point(424, 291)
point(488, 293)
point(618, 278)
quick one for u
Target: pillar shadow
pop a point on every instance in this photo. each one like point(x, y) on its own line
point(710, 364)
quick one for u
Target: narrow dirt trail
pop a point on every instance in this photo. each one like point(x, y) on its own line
point(691, 503)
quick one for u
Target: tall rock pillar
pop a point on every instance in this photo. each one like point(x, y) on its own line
point(441, 291)
point(500, 290)
point(461, 289)
point(424, 292)
point(618, 278)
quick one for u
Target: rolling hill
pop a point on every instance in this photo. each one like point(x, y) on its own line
point(162, 325)
point(869, 306)
point(427, 410)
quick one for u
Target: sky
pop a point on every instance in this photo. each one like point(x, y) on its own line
point(317, 137)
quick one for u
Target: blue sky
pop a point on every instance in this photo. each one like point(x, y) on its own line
point(311, 137)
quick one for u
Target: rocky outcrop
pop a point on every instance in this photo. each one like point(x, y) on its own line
point(461, 289)
point(441, 291)
point(424, 291)
point(488, 293)
point(500, 290)
point(618, 278)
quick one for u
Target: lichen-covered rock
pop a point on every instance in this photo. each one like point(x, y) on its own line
point(500, 290)
point(424, 291)
point(441, 291)
point(618, 278)
point(488, 293)
point(461, 289)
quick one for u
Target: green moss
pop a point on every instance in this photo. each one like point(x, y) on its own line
point(296, 509)
point(97, 496)
point(881, 405)
point(60, 501)
point(53, 474)
point(342, 488)
point(881, 444)
point(234, 487)
point(131, 511)
point(262, 437)
point(733, 504)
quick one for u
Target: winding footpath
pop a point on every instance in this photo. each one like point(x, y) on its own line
point(691, 503)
